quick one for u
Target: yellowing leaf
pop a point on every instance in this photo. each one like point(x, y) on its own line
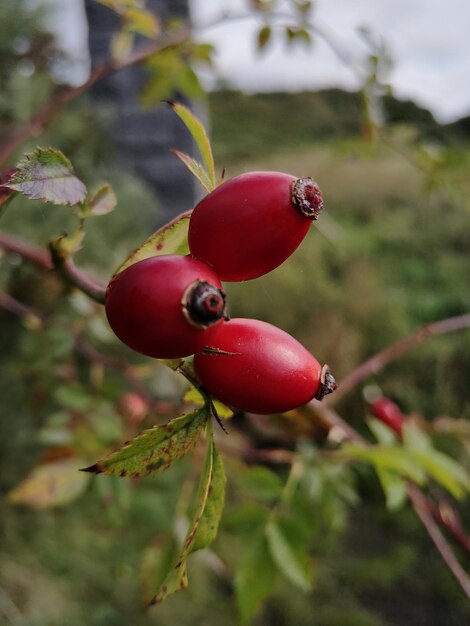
point(196, 169)
point(103, 200)
point(142, 21)
point(155, 449)
point(199, 135)
point(50, 485)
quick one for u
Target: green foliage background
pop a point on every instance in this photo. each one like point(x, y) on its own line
point(392, 254)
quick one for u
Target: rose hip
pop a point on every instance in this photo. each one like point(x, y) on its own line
point(250, 224)
point(162, 306)
point(254, 366)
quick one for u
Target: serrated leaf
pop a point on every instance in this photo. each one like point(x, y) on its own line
point(196, 169)
point(199, 135)
point(443, 470)
point(205, 522)
point(394, 488)
point(51, 485)
point(255, 577)
point(288, 558)
point(155, 449)
point(102, 201)
point(169, 239)
point(46, 174)
point(264, 35)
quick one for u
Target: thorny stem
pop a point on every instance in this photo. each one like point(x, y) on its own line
point(424, 508)
point(378, 361)
point(15, 307)
point(77, 278)
point(53, 260)
point(421, 507)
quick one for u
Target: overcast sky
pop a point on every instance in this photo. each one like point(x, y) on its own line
point(429, 41)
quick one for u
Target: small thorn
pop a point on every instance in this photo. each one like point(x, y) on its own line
point(217, 418)
point(170, 103)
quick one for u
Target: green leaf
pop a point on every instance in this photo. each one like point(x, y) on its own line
point(157, 559)
point(195, 168)
point(155, 449)
point(381, 432)
point(414, 438)
point(394, 488)
point(245, 518)
point(209, 522)
point(264, 35)
point(444, 470)
point(51, 485)
point(46, 174)
point(255, 576)
point(199, 135)
point(284, 547)
point(102, 201)
point(395, 459)
point(261, 482)
point(203, 528)
point(170, 239)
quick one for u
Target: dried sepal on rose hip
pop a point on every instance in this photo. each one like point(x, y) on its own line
point(163, 306)
point(250, 224)
point(257, 367)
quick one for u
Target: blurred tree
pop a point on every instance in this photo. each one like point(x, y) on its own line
point(143, 136)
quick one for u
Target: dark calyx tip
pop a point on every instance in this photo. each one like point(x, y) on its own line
point(307, 197)
point(204, 304)
point(327, 383)
point(93, 469)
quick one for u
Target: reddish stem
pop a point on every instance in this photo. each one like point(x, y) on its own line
point(27, 250)
point(59, 101)
point(421, 506)
point(382, 358)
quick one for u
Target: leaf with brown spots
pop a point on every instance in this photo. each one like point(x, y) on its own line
point(169, 239)
point(155, 449)
point(203, 529)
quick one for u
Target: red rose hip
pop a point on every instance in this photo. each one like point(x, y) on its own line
point(256, 367)
point(250, 224)
point(162, 306)
point(389, 413)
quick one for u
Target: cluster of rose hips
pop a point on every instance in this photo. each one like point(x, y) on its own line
point(173, 306)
